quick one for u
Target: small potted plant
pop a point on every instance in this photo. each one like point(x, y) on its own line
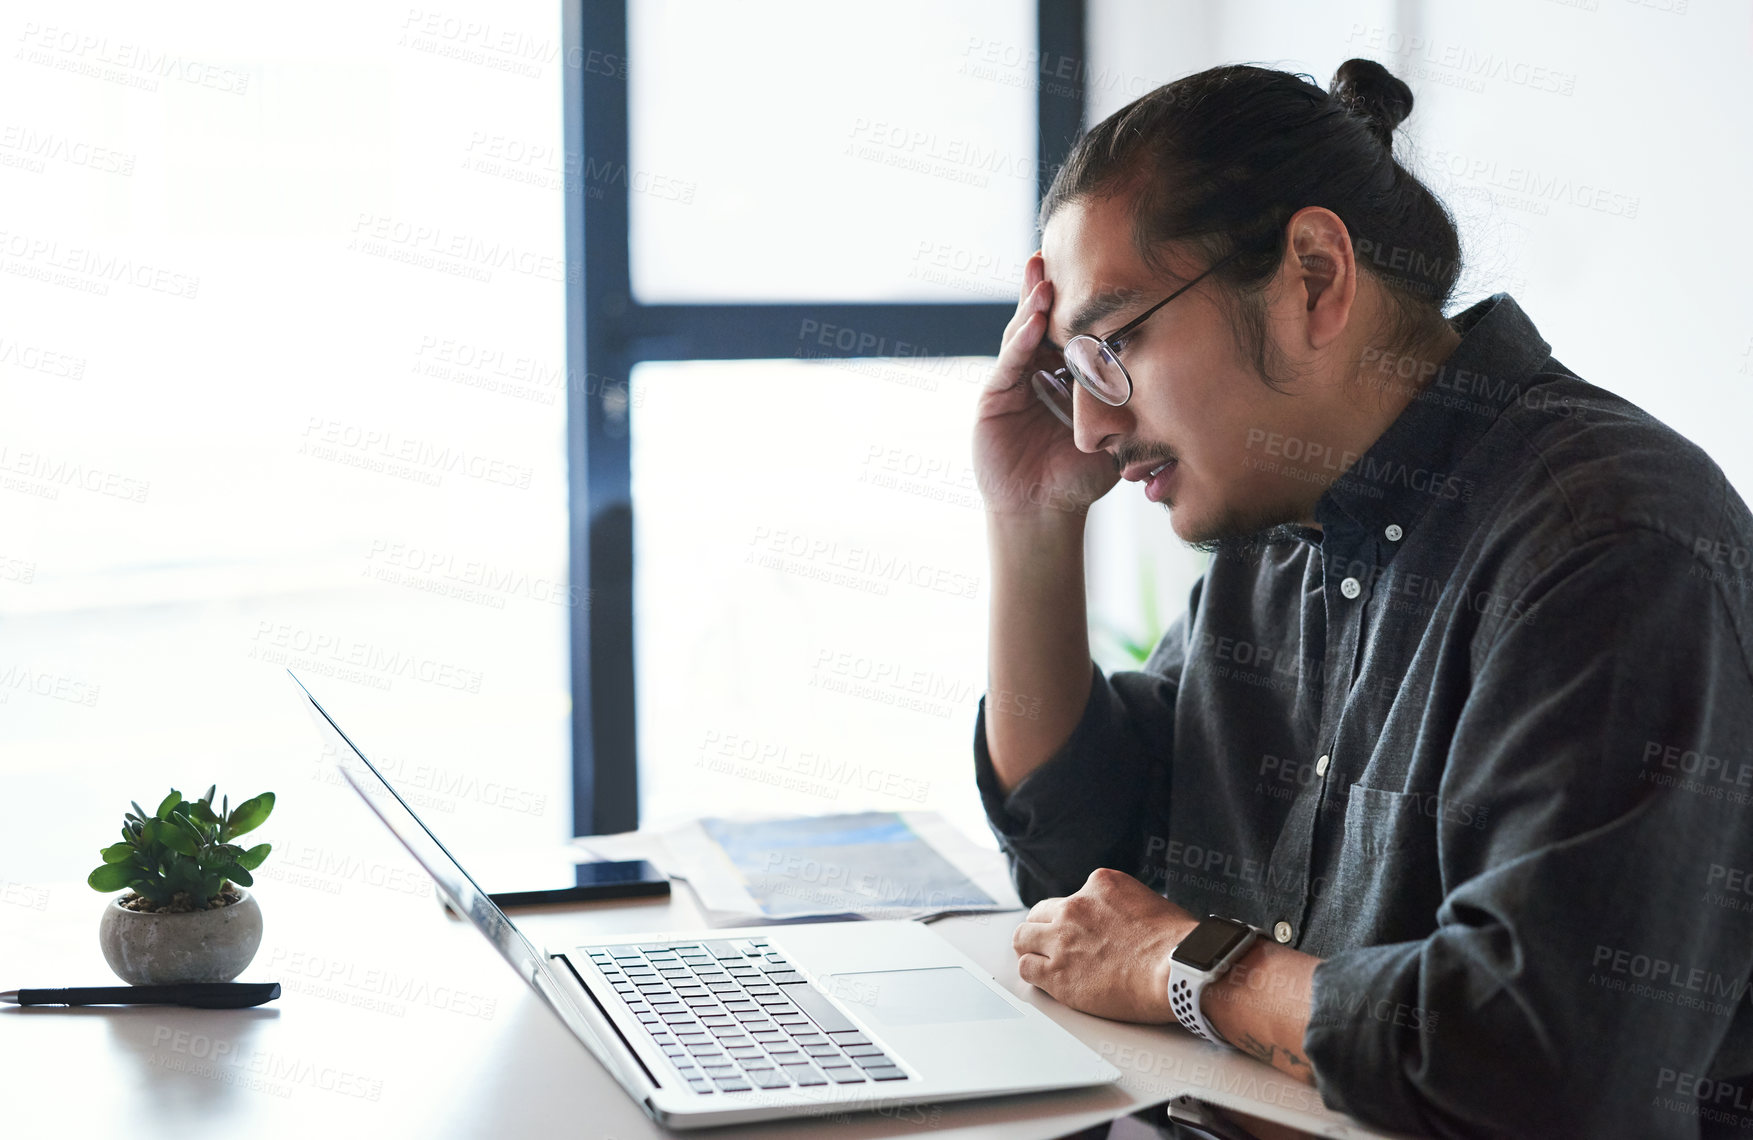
point(186, 916)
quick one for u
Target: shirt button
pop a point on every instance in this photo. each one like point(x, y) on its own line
point(1281, 931)
point(1350, 588)
point(1393, 532)
point(1321, 766)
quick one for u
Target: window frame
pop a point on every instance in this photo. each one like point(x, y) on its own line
point(608, 332)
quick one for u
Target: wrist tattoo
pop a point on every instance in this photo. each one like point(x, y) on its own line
point(1273, 1054)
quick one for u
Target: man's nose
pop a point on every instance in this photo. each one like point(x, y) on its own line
point(1094, 424)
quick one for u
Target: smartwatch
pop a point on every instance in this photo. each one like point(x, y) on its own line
point(1202, 957)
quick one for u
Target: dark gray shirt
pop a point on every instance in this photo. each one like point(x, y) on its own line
point(1483, 743)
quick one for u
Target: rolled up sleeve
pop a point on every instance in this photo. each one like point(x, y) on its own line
point(1085, 806)
point(1588, 963)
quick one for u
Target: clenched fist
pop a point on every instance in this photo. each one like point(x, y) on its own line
point(1104, 950)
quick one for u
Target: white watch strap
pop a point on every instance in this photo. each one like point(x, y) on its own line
point(1185, 986)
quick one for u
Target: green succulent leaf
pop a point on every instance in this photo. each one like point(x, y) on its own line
point(184, 875)
point(188, 827)
point(248, 816)
point(184, 847)
point(175, 838)
point(111, 877)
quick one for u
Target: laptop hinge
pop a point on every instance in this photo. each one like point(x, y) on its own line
point(631, 1052)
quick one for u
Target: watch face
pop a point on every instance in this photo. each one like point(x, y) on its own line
point(1210, 941)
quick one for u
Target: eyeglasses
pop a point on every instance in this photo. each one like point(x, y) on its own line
point(1094, 361)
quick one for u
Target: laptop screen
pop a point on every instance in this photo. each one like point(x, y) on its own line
point(454, 883)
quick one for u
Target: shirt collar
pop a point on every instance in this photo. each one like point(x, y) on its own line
point(1413, 463)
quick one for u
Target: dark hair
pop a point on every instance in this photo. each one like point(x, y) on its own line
point(1223, 158)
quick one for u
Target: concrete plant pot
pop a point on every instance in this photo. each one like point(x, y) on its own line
point(150, 949)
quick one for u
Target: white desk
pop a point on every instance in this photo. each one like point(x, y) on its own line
point(397, 1021)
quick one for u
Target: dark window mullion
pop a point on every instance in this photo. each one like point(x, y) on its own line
point(753, 332)
point(604, 775)
point(1059, 96)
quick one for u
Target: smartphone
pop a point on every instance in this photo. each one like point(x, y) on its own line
point(538, 882)
point(1187, 1117)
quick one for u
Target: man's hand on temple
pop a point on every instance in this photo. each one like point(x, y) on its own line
point(1104, 950)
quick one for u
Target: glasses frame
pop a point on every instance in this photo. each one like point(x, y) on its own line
point(1102, 345)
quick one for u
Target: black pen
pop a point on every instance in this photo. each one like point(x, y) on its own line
point(201, 995)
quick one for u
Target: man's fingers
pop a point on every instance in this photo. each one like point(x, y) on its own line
point(1026, 295)
point(1023, 339)
point(1022, 346)
point(1031, 968)
point(1045, 911)
point(1015, 355)
point(1037, 299)
point(1024, 310)
point(1032, 938)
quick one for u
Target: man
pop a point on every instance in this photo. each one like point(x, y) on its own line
point(1458, 718)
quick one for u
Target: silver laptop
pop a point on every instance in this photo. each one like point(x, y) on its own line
point(758, 1023)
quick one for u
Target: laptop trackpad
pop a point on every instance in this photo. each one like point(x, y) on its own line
point(930, 996)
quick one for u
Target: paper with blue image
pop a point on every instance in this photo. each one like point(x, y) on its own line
point(871, 864)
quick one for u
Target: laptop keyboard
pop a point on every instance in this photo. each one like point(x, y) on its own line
point(732, 1016)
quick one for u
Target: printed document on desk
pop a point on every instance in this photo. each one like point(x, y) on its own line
point(891, 865)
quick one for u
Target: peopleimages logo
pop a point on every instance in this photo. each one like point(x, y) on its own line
point(1691, 762)
point(420, 567)
point(44, 476)
point(32, 150)
point(434, 247)
point(859, 567)
point(330, 655)
point(89, 270)
point(19, 679)
point(129, 64)
point(1722, 1102)
point(390, 452)
point(34, 358)
point(1439, 382)
point(1308, 460)
point(1679, 983)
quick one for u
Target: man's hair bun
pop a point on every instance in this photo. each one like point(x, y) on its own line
point(1367, 88)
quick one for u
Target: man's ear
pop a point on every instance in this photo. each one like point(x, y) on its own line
point(1323, 273)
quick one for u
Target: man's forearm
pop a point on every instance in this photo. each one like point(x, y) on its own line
point(1038, 650)
point(1261, 1006)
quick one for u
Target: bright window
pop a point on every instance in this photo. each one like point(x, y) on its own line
point(789, 150)
point(283, 366)
point(811, 585)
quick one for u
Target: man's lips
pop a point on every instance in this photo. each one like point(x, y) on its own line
point(1156, 488)
point(1139, 471)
